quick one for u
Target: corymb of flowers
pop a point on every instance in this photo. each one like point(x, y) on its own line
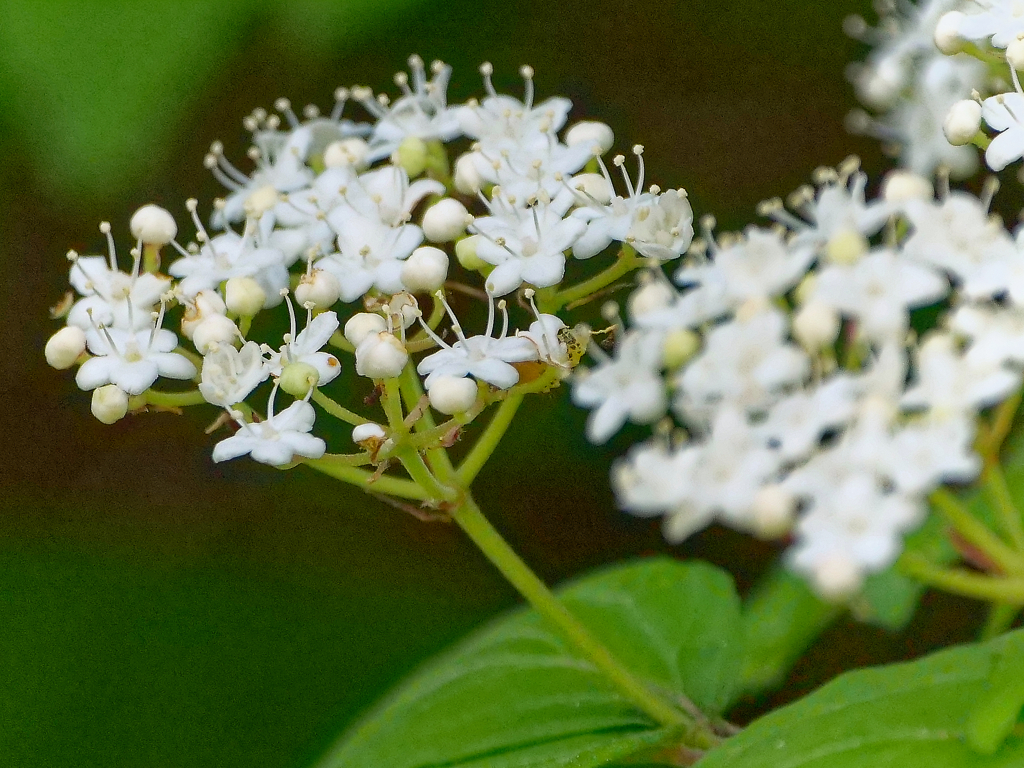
point(816, 378)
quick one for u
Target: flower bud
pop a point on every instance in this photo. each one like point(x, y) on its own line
point(656, 294)
point(452, 394)
point(109, 403)
point(445, 220)
point(815, 325)
point(846, 247)
point(679, 347)
point(298, 378)
point(467, 178)
point(962, 123)
point(837, 577)
point(947, 33)
point(900, 186)
point(153, 225)
point(591, 133)
point(381, 356)
point(65, 347)
point(1015, 54)
point(412, 155)
point(244, 296)
point(260, 201)
point(213, 331)
point(465, 252)
point(773, 509)
point(403, 308)
point(364, 433)
point(425, 270)
point(346, 153)
point(361, 325)
point(592, 186)
point(204, 305)
point(319, 288)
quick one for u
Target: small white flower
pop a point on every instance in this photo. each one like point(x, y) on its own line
point(526, 244)
point(132, 360)
point(483, 357)
point(1001, 21)
point(626, 387)
point(305, 346)
point(996, 333)
point(1004, 113)
point(747, 363)
point(277, 440)
point(230, 375)
point(796, 424)
point(879, 290)
point(422, 111)
point(921, 456)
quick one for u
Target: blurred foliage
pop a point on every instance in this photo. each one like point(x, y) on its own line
point(91, 87)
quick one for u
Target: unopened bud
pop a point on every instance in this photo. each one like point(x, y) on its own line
point(319, 288)
point(900, 186)
point(816, 325)
point(466, 177)
point(837, 577)
point(65, 347)
point(445, 220)
point(381, 356)
point(368, 433)
point(298, 378)
point(593, 186)
point(109, 403)
point(773, 509)
point(346, 153)
point(465, 252)
point(425, 270)
point(153, 225)
point(260, 201)
point(361, 325)
point(452, 394)
point(592, 134)
point(846, 247)
point(655, 295)
point(205, 304)
point(244, 296)
point(679, 347)
point(1015, 54)
point(214, 331)
point(962, 123)
point(412, 155)
point(947, 33)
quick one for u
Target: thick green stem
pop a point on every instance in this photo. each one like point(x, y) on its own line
point(364, 479)
point(624, 264)
point(494, 547)
point(172, 399)
point(488, 441)
point(960, 581)
point(1009, 515)
point(977, 534)
point(338, 411)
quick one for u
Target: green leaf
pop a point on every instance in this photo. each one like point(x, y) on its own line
point(781, 618)
point(911, 715)
point(515, 695)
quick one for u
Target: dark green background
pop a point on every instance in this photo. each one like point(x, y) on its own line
point(157, 610)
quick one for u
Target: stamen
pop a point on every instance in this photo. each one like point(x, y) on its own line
point(527, 74)
point(111, 253)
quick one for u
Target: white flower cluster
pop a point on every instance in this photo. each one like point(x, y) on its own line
point(803, 401)
point(336, 213)
point(940, 72)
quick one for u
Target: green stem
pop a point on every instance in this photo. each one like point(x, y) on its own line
point(992, 442)
point(392, 486)
point(494, 547)
point(624, 264)
point(338, 411)
point(976, 533)
point(1000, 618)
point(960, 581)
point(1009, 515)
point(488, 441)
point(391, 399)
point(173, 399)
